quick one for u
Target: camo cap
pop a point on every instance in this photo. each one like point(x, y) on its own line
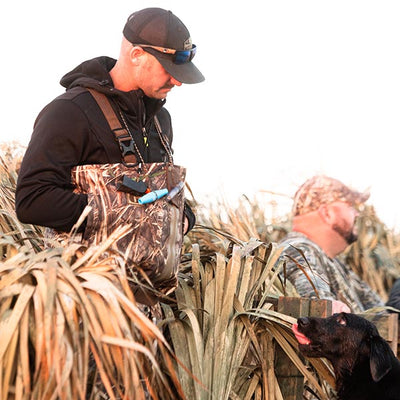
point(322, 189)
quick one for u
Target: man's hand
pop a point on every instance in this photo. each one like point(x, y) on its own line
point(185, 225)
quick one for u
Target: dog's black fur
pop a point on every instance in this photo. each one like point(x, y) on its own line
point(364, 364)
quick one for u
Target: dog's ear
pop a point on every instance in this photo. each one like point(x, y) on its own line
point(380, 358)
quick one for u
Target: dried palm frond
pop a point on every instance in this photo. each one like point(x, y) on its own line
point(71, 330)
point(223, 327)
point(243, 221)
point(375, 256)
point(31, 235)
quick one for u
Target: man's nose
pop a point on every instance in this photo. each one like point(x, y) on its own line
point(175, 82)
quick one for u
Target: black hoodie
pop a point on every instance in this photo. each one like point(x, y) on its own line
point(71, 131)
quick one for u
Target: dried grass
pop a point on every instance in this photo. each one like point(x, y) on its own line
point(71, 328)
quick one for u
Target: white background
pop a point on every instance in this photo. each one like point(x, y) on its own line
point(292, 88)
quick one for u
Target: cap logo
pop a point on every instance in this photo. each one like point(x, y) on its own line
point(187, 44)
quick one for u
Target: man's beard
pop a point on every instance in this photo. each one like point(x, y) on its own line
point(347, 234)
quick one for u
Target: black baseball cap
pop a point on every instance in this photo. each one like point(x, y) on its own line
point(162, 29)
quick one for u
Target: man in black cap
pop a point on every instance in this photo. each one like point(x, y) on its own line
point(156, 55)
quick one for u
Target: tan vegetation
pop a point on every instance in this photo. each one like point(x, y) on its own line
point(71, 328)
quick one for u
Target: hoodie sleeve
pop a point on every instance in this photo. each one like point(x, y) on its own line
point(44, 193)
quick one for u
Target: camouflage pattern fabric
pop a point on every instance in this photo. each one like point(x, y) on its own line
point(322, 189)
point(331, 278)
point(152, 247)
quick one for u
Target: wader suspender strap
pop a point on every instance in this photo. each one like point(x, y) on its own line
point(125, 141)
point(124, 138)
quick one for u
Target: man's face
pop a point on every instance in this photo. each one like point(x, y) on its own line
point(155, 81)
point(345, 222)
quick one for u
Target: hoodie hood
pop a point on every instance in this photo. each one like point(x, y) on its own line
point(95, 74)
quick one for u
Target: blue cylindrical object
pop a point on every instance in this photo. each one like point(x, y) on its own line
point(152, 196)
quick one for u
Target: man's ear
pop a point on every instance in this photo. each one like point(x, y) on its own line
point(136, 53)
point(325, 213)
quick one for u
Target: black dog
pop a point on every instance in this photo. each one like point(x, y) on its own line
point(364, 364)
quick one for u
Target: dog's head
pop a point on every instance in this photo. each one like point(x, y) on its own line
point(344, 339)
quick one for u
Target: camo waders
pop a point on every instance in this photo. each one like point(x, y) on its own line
point(152, 247)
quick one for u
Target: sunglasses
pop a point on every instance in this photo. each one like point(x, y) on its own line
point(179, 56)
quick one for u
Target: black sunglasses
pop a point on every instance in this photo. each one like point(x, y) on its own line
point(180, 56)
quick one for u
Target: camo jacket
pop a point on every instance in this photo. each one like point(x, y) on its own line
point(332, 279)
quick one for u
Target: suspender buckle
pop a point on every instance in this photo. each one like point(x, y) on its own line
point(126, 147)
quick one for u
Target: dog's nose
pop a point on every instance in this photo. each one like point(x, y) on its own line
point(303, 321)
